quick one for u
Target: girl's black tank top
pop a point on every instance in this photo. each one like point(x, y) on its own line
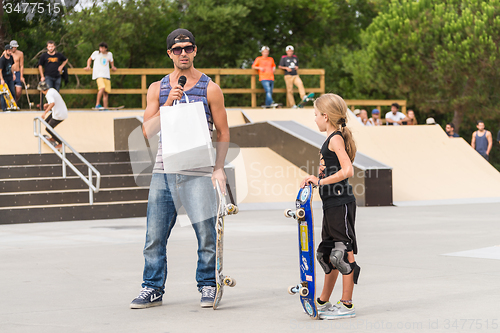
point(336, 194)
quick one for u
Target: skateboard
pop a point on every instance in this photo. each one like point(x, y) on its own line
point(304, 216)
point(109, 108)
point(306, 99)
point(26, 86)
point(53, 143)
point(223, 210)
point(9, 99)
point(272, 106)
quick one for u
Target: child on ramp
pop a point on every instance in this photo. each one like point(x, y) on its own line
point(338, 239)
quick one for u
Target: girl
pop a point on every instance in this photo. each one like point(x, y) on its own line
point(338, 246)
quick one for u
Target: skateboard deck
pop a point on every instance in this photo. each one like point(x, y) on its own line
point(54, 144)
point(277, 105)
point(306, 100)
point(26, 87)
point(9, 99)
point(109, 108)
point(223, 210)
point(307, 260)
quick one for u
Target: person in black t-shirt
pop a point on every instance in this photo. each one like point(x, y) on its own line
point(7, 76)
point(54, 63)
point(290, 63)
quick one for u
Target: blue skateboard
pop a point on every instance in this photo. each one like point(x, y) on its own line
point(304, 217)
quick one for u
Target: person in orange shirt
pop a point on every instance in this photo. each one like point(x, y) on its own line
point(266, 67)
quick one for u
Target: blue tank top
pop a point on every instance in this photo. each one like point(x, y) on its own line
point(196, 94)
point(481, 144)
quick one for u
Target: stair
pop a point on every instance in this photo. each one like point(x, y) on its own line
point(32, 188)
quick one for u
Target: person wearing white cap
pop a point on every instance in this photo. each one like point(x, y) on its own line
point(18, 68)
point(290, 64)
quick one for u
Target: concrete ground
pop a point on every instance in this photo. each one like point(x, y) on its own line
point(423, 269)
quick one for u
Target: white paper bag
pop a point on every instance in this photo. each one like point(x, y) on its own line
point(185, 137)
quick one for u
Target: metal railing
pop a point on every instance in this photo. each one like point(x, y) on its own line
point(62, 155)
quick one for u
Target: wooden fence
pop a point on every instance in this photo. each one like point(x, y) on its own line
point(353, 104)
point(217, 72)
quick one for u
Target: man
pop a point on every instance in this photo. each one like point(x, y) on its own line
point(102, 59)
point(482, 141)
point(375, 119)
point(54, 63)
point(394, 117)
point(192, 189)
point(56, 104)
point(6, 74)
point(266, 67)
point(18, 68)
point(450, 130)
point(290, 64)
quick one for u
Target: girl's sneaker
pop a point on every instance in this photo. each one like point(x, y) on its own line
point(147, 298)
point(322, 308)
point(338, 311)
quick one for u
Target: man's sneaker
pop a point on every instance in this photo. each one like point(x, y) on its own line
point(98, 106)
point(338, 311)
point(147, 298)
point(207, 296)
point(273, 105)
point(294, 106)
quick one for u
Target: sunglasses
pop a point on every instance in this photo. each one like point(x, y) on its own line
point(178, 50)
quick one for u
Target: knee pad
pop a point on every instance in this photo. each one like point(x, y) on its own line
point(324, 262)
point(338, 258)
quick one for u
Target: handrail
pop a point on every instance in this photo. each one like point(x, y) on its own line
point(37, 121)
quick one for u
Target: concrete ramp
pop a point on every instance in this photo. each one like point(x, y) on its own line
point(429, 166)
point(372, 180)
point(85, 130)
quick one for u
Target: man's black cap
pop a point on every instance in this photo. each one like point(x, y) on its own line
point(8, 47)
point(172, 37)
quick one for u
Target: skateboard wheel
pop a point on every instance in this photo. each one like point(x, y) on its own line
point(301, 213)
point(303, 291)
point(288, 213)
point(232, 209)
point(291, 290)
point(229, 282)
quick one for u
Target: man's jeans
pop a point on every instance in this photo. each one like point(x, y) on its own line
point(10, 85)
point(167, 194)
point(268, 87)
point(53, 82)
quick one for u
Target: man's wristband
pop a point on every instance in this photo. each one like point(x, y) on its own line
point(319, 181)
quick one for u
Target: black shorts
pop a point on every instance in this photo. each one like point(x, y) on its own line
point(338, 226)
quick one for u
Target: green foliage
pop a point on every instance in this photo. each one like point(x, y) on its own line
point(229, 34)
point(440, 56)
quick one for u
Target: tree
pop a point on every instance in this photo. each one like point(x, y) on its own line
point(441, 56)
